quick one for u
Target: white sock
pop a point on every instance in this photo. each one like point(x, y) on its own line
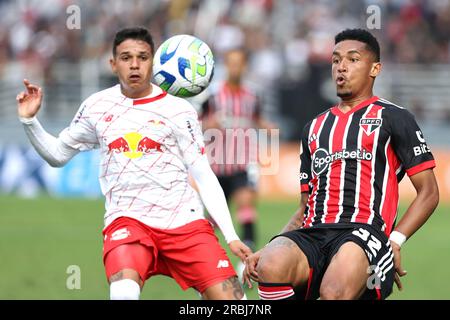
point(240, 270)
point(244, 297)
point(125, 289)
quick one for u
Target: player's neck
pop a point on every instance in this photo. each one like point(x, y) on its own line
point(138, 93)
point(347, 105)
point(233, 85)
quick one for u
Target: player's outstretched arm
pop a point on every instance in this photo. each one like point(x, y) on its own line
point(415, 216)
point(214, 200)
point(51, 149)
point(29, 101)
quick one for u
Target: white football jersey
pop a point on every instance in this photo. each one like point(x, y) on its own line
point(146, 147)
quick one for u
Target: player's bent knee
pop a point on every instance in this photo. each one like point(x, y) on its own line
point(125, 289)
point(271, 267)
point(332, 292)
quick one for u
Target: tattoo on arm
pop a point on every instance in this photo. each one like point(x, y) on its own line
point(296, 221)
point(292, 225)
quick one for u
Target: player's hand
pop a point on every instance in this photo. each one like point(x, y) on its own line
point(239, 249)
point(250, 269)
point(399, 272)
point(29, 101)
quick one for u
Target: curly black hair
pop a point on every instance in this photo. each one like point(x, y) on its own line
point(363, 36)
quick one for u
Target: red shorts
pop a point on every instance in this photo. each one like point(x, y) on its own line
point(190, 254)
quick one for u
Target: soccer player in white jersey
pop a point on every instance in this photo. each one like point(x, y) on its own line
point(149, 142)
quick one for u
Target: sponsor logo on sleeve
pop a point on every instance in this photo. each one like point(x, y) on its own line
point(200, 148)
point(420, 137)
point(312, 138)
point(303, 176)
point(422, 148)
point(80, 114)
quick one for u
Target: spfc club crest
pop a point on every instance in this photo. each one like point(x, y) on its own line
point(369, 125)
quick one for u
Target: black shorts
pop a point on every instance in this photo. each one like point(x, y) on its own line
point(320, 243)
point(236, 181)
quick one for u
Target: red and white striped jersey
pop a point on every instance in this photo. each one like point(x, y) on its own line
point(146, 147)
point(351, 163)
point(236, 110)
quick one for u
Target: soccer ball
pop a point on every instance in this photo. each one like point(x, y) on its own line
point(183, 66)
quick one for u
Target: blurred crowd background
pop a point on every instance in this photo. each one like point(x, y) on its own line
point(290, 44)
point(289, 41)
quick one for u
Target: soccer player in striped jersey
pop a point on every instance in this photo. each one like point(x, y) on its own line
point(234, 109)
point(344, 241)
point(149, 142)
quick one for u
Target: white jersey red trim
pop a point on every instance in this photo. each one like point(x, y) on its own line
point(146, 147)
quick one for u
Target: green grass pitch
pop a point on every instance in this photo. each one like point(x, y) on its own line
point(41, 238)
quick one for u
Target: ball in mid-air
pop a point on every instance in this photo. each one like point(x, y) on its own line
point(183, 66)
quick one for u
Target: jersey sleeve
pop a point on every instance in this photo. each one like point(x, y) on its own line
point(305, 161)
point(81, 134)
point(409, 143)
point(189, 137)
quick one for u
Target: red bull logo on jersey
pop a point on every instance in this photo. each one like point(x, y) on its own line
point(321, 159)
point(133, 145)
point(369, 125)
point(157, 123)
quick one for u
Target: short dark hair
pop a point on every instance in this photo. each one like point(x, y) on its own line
point(135, 33)
point(363, 36)
point(239, 49)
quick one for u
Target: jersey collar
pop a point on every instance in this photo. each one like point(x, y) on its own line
point(337, 112)
point(156, 94)
point(148, 100)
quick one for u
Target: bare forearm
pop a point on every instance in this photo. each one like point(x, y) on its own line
point(296, 220)
point(417, 214)
point(420, 210)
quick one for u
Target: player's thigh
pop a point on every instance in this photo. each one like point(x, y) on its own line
point(229, 289)
point(347, 274)
point(129, 261)
point(194, 256)
point(283, 261)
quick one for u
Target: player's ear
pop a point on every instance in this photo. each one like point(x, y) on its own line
point(112, 63)
point(375, 70)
